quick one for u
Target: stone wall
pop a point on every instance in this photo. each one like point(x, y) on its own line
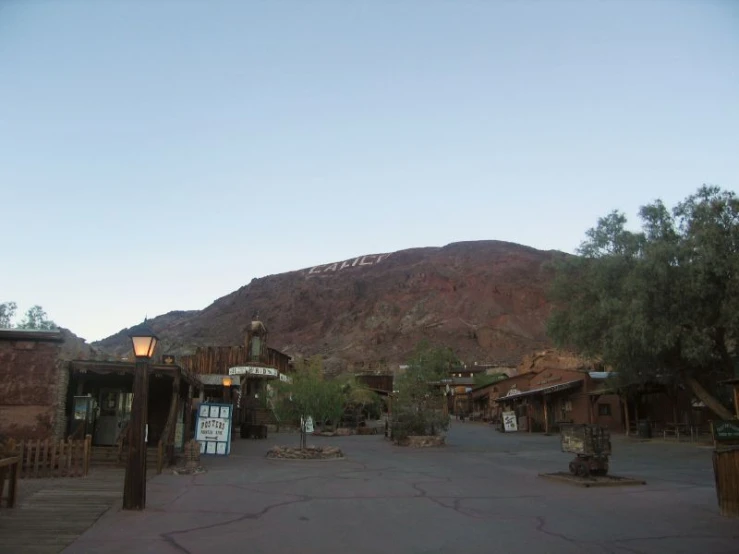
point(31, 384)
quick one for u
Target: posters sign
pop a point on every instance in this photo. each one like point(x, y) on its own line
point(213, 429)
point(509, 422)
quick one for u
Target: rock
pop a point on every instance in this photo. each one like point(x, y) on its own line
point(309, 453)
point(422, 441)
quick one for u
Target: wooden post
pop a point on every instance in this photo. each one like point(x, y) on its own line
point(52, 461)
point(546, 415)
point(188, 415)
point(726, 473)
point(20, 456)
point(3, 468)
point(13, 490)
point(37, 458)
point(625, 402)
point(134, 490)
point(87, 453)
point(736, 399)
point(70, 458)
point(45, 463)
point(62, 458)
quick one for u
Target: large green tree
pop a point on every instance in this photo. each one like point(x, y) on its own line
point(659, 303)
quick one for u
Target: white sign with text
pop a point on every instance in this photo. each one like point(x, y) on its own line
point(510, 423)
point(213, 429)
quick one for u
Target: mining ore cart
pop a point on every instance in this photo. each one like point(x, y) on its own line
point(591, 445)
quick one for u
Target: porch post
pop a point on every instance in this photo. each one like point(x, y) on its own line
point(546, 415)
point(188, 414)
point(625, 403)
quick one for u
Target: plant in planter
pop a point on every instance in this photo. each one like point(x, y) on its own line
point(418, 406)
point(309, 395)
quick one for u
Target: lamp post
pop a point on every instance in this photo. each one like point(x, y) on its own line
point(227, 382)
point(134, 490)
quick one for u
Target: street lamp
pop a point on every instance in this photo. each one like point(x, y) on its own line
point(227, 382)
point(144, 342)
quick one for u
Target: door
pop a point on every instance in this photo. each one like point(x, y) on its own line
point(115, 411)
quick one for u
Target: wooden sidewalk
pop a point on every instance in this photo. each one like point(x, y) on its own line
point(60, 510)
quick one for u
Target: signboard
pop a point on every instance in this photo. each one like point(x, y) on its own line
point(308, 424)
point(213, 429)
point(510, 423)
point(725, 430)
point(253, 370)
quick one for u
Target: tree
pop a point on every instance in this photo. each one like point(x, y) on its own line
point(7, 312)
point(359, 397)
point(309, 395)
point(36, 318)
point(660, 304)
point(418, 407)
point(482, 379)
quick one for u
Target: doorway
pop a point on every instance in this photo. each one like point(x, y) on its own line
point(115, 412)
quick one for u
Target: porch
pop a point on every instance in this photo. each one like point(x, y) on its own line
point(99, 401)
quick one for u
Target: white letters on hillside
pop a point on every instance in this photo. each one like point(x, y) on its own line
point(370, 259)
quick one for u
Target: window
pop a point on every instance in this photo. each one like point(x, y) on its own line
point(604, 409)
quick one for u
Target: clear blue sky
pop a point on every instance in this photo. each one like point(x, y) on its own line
point(156, 155)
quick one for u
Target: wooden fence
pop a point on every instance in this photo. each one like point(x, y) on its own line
point(9, 471)
point(54, 458)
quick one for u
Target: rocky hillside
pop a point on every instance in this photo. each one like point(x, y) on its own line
point(485, 299)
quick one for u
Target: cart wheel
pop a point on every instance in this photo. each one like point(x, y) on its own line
point(573, 468)
point(582, 470)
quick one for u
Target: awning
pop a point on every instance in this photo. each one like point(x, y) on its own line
point(543, 390)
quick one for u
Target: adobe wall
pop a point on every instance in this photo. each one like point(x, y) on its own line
point(33, 385)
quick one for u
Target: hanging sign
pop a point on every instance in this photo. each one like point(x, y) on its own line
point(253, 370)
point(213, 429)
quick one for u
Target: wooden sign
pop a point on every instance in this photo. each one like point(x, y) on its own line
point(725, 430)
point(510, 423)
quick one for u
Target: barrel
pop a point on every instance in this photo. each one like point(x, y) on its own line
point(726, 472)
point(644, 429)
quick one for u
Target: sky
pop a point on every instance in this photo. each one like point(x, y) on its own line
point(157, 155)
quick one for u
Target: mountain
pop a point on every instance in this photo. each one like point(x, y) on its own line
point(484, 299)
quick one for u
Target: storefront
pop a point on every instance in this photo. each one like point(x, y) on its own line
point(99, 400)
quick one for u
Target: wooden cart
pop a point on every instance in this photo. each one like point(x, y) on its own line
point(591, 445)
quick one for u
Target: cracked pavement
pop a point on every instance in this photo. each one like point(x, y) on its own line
point(480, 494)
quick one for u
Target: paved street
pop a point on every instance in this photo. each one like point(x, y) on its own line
point(480, 494)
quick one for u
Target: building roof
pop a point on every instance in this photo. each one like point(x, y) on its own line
point(542, 390)
point(103, 367)
point(38, 335)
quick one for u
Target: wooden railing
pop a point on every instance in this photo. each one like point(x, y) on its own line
point(9, 471)
point(52, 458)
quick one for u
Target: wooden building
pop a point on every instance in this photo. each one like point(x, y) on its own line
point(242, 374)
point(545, 399)
point(45, 395)
point(106, 388)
